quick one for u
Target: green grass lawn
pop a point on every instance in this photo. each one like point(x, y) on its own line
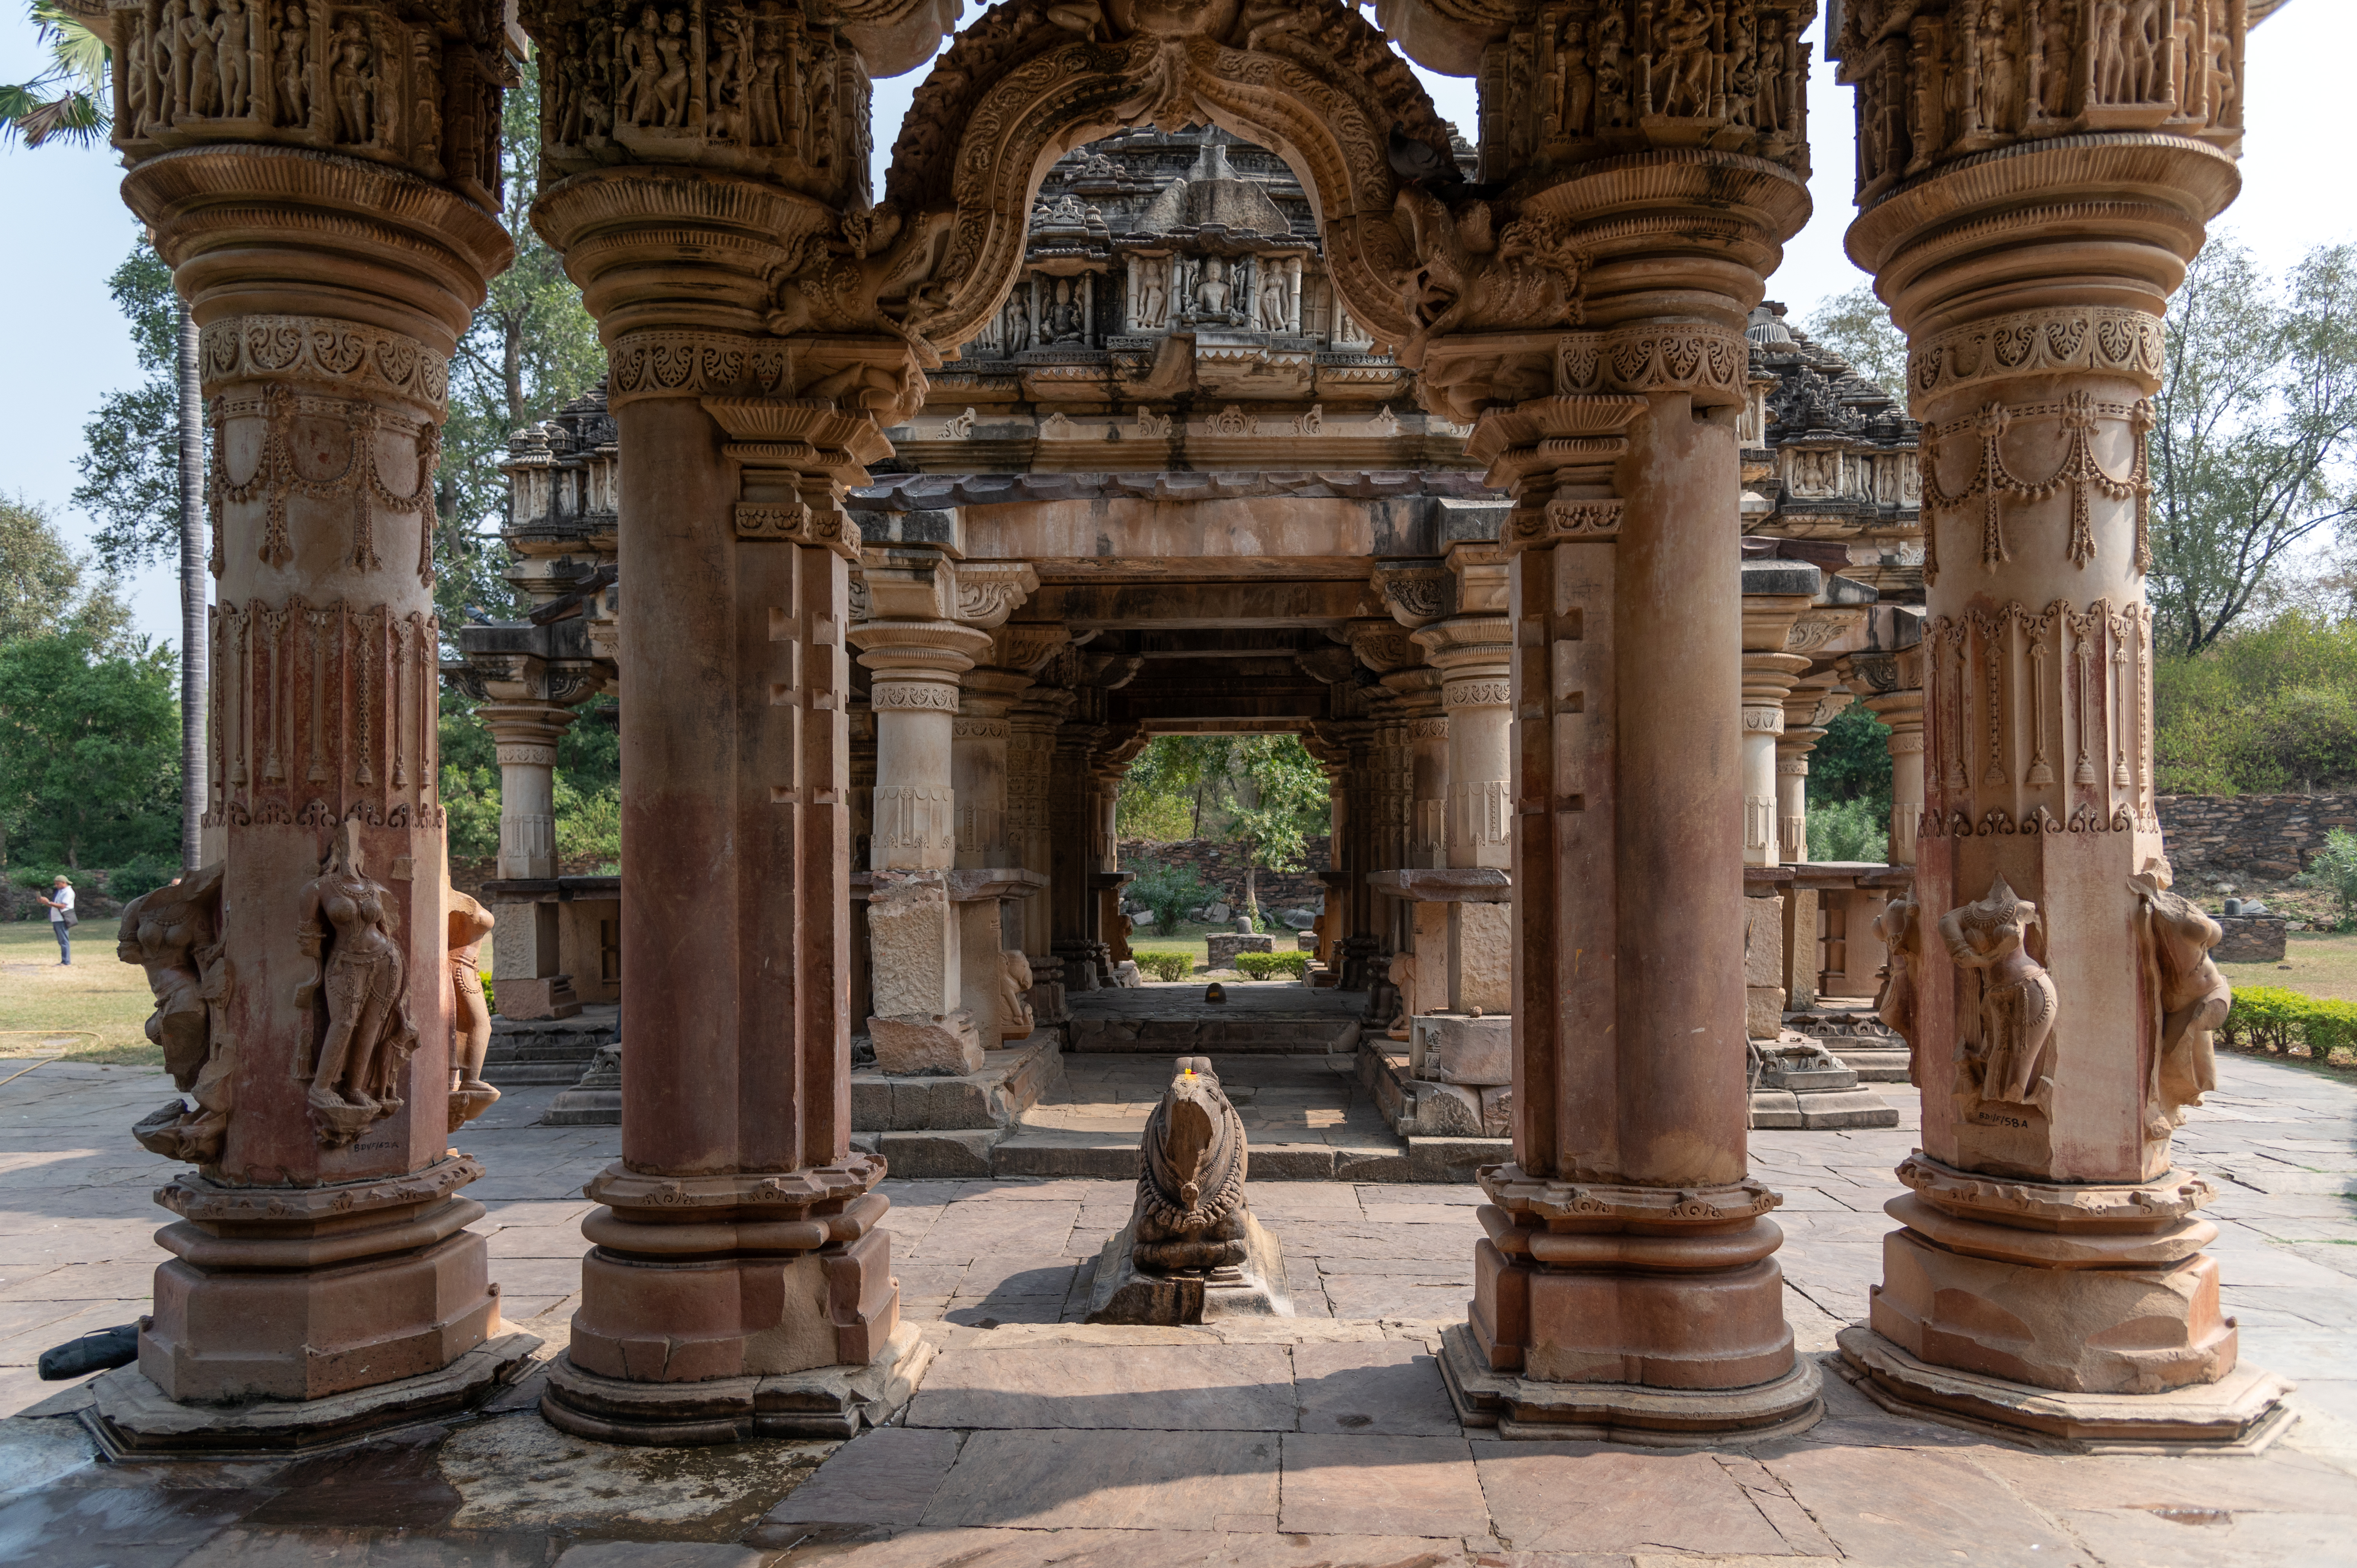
point(94, 1011)
point(1188, 938)
point(2314, 963)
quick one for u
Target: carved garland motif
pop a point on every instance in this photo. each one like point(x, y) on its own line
point(277, 475)
point(902, 696)
point(2079, 471)
point(662, 364)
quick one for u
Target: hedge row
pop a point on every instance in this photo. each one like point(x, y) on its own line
point(1268, 965)
point(1165, 965)
point(2269, 1018)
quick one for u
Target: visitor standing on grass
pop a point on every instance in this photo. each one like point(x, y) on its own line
point(61, 918)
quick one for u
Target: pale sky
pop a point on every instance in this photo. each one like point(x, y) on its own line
point(72, 348)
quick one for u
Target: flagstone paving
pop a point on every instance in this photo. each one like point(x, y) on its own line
point(1324, 1441)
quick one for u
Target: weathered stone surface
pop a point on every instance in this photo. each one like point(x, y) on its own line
point(1426, 1487)
point(1481, 957)
point(1111, 1480)
point(912, 944)
point(2250, 938)
point(1172, 1388)
point(1389, 1388)
point(1224, 946)
point(1452, 1048)
point(943, 1044)
point(1124, 1293)
point(884, 1477)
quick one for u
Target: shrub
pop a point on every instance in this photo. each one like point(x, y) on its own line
point(1165, 965)
point(1850, 829)
point(1267, 965)
point(2270, 1018)
point(1170, 891)
point(141, 873)
point(2334, 869)
point(589, 827)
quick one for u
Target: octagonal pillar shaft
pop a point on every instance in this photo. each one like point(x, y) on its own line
point(2061, 996)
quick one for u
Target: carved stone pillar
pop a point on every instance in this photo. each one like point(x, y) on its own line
point(2051, 1272)
point(1891, 686)
point(737, 1284)
point(1774, 595)
point(1808, 709)
point(1629, 1286)
point(304, 997)
point(1427, 723)
point(526, 974)
point(1030, 750)
point(1073, 903)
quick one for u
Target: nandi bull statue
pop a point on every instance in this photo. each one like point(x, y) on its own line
point(1191, 1250)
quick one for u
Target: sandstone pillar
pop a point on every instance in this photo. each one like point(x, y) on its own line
point(1030, 751)
point(526, 973)
point(737, 1283)
point(1071, 789)
point(302, 983)
point(1774, 595)
point(2051, 1273)
point(1890, 685)
point(917, 654)
point(1808, 709)
point(1628, 1287)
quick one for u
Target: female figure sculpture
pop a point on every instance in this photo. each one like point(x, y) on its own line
point(1901, 928)
point(2191, 997)
point(2017, 1004)
point(347, 929)
point(469, 1095)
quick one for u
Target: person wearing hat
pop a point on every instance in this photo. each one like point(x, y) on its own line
point(61, 917)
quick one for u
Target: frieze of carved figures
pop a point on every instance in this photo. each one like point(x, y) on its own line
point(2056, 702)
point(1979, 74)
point(322, 714)
point(422, 92)
point(1900, 927)
point(1993, 482)
point(1314, 81)
point(470, 923)
point(752, 88)
point(2189, 998)
point(357, 975)
point(175, 934)
point(1594, 78)
point(2007, 1047)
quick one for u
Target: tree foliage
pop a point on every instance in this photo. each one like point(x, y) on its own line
point(2266, 710)
point(68, 98)
point(531, 349)
point(1855, 325)
point(1265, 793)
point(131, 461)
point(42, 587)
point(89, 749)
point(2254, 446)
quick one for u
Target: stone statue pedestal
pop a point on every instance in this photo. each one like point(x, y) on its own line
point(1254, 1288)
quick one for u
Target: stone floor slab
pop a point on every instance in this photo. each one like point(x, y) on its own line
point(1129, 1549)
point(1384, 1485)
point(1579, 1497)
point(1176, 1387)
point(884, 1477)
point(1388, 1387)
point(1111, 1480)
point(1899, 1507)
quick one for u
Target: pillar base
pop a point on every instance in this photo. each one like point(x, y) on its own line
point(133, 1419)
point(1528, 1408)
point(297, 1294)
point(823, 1402)
point(2241, 1413)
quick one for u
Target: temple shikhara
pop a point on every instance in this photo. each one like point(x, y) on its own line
point(1187, 374)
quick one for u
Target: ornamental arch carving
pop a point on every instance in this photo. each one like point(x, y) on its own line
point(1317, 85)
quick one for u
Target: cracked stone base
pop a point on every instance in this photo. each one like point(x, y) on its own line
point(824, 1401)
point(1520, 1407)
point(131, 1417)
point(2240, 1413)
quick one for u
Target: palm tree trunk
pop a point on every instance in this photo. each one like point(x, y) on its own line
point(193, 628)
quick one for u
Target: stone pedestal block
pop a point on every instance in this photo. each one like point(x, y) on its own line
point(1223, 947)
point(1254, 1288)
point(915, 937)
point(549, 997)
point(1449, 1048)
point(944, 1044)
point(298, 1295)
point(1481, 957)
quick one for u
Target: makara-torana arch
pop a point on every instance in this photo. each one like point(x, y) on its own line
point(2034, 176)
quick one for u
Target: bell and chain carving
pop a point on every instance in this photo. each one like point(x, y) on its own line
point(2037, 722)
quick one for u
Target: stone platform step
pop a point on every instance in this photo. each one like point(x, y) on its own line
point(548, 1051)
point(1025, 1152)
point(597, 1100)
point(1273, 1017)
